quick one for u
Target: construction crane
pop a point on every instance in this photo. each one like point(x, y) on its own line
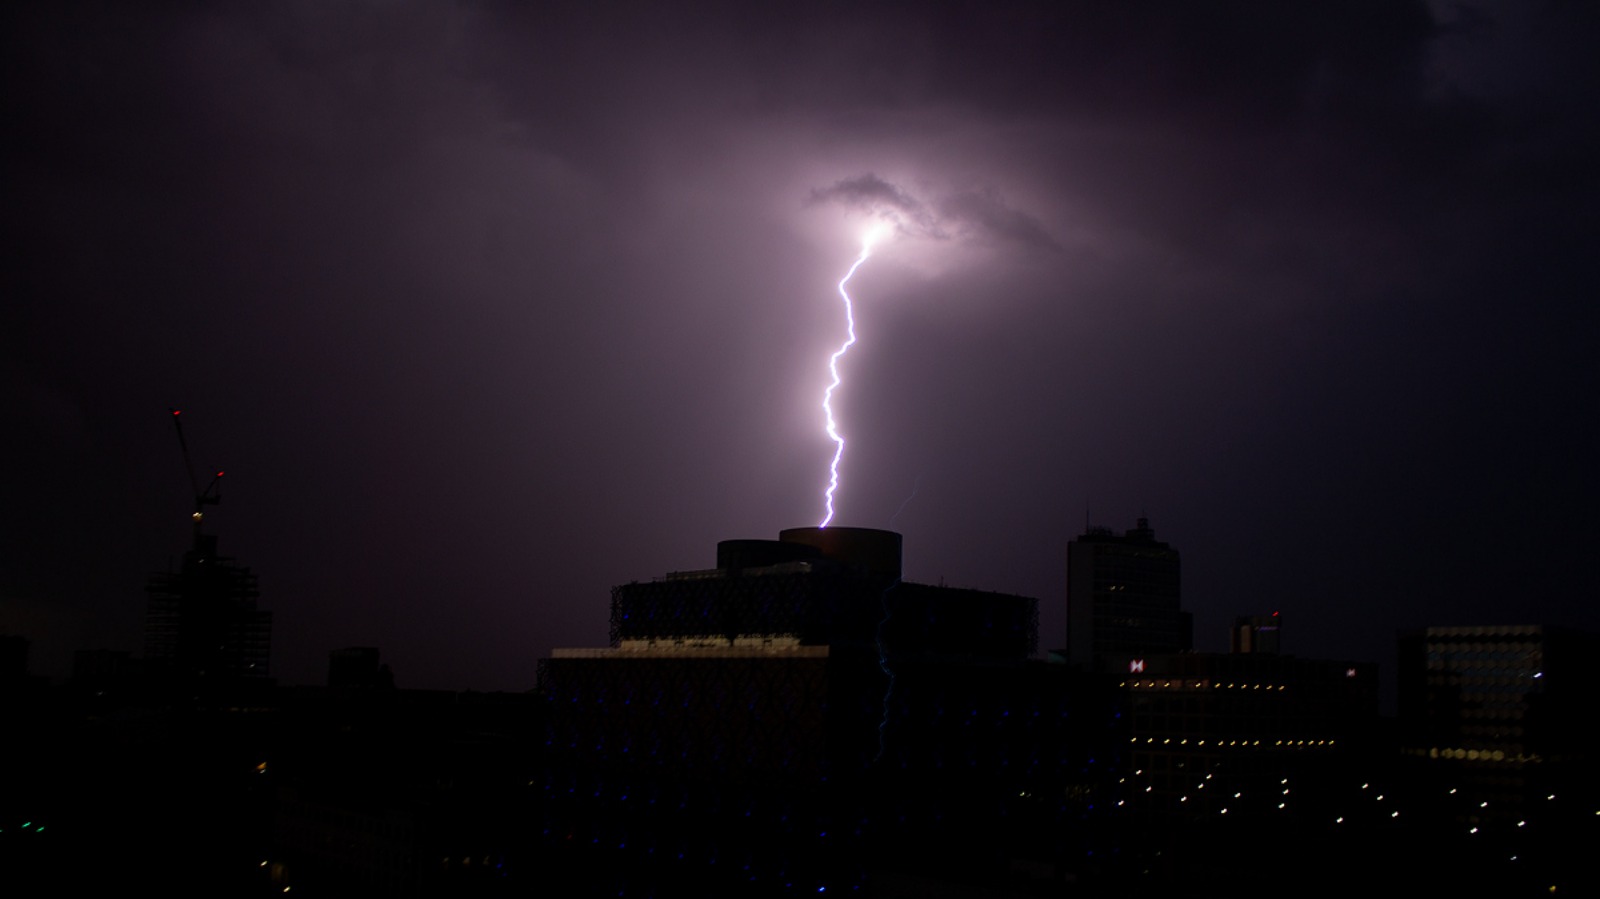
point(210, 496)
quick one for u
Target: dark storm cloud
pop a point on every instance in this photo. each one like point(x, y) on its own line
point(1240, 59)
point(983, 216)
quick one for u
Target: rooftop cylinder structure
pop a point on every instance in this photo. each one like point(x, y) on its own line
point(873, 550)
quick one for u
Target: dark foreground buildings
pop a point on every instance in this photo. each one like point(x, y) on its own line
point(799, 719)
point(1252, 716)
point(1502, 719)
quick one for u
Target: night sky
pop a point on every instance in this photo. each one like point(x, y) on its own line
point(485, 308)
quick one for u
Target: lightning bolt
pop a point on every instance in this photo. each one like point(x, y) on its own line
point(883, 664)
point(915, 486)
point(867, 241)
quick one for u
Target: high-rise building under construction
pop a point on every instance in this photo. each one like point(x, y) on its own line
point(202, 624)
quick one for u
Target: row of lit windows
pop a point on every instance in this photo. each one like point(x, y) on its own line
point(1514, 714)
point(1482, 755)
point(1495, 701)
point(1515, 630)
point(1185, 741)
point(1486, 685)
point(1196, 685)
point(1512, 663)
point(1488, 675)
point(1491, 651)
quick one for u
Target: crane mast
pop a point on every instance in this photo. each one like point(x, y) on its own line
point(211, 495)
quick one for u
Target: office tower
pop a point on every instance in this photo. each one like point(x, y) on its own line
point(1122, 599)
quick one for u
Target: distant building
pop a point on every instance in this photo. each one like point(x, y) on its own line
point(202, 625)
point(100, 670)
point(358, 667)
point(1503, 714)
point(1122, 599)
point(1256, 633)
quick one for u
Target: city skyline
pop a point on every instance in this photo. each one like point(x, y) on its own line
point(486, 310)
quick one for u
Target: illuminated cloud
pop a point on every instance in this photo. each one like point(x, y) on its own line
point(975, 215)
point(981, 216)
point(875, 196)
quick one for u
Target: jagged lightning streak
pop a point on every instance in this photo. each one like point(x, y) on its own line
point(883, 665)
point(915, 486)
point(872, 235)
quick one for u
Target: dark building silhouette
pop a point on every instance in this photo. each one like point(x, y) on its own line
point(358, 667)
point(202, 625)
point(1503, 714)
point(403, 793)
point(1252, 719)
point(102, 670)
point(800, 719)
point(1122, 599)
point(1256, 633)
point(13, 660)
